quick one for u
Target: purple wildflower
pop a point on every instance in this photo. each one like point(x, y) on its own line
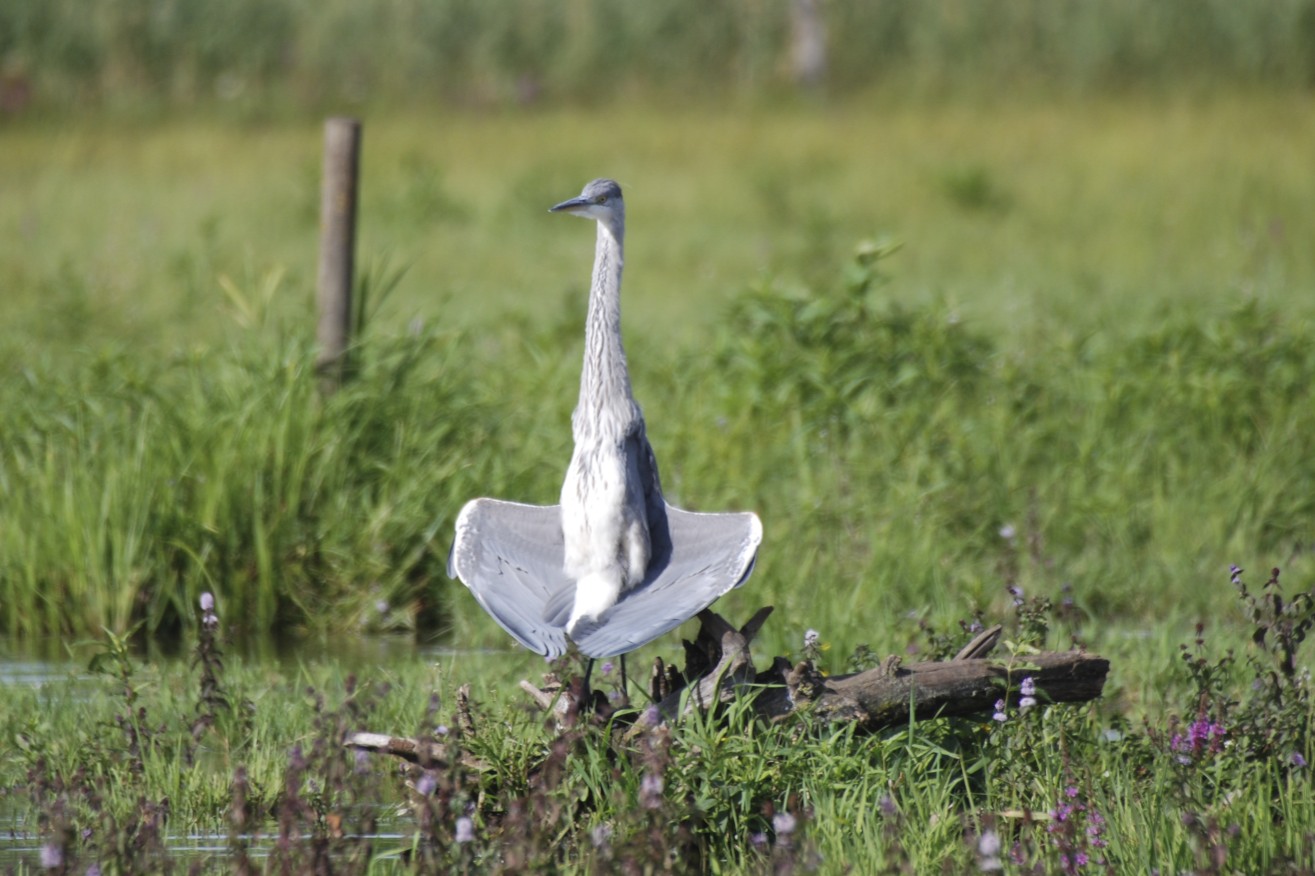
point(1203, 737)
point(209, 619)
point(1075, 829)
point(465, 830)
point(988, 852)
point(650, 791)
point(52, 857)
point(887, 806)
point(1028, 691)
point(600, 835)
point(1008, 532)
point(1096, 830)
point(1000, 712)
point(426, 784)
point(811, 639)
point(1235, 573)
point(1073, 862)
point(1017, 593)
point(607, 668)
point(783, 823)
point(1296, 759)
point(758, 840)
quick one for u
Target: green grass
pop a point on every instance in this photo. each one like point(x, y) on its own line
point(1097, 214)
point(1095, 328)
point(897, 332)
point(249, 54)
point(258, 769)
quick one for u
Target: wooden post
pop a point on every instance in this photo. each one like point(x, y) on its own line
point(338, 191)
point(807, 43)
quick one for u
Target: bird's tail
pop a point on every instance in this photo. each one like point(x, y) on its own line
point(595, 593)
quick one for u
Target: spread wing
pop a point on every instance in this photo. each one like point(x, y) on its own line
point(696, 559)
point(511, 557)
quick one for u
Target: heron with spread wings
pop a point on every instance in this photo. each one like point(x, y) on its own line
point(613, 566)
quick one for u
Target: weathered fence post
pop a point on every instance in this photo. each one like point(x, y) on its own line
point(342, 150)
point(807, 43)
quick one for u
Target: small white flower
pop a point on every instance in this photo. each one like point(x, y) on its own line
point(988, 852)
point(52, 857)
point(465, 830)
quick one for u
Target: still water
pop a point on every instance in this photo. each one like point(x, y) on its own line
point(60, 668)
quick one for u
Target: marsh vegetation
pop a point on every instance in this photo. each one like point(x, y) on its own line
point(1045, 359)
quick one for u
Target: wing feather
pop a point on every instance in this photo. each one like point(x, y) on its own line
point(511, 558)
point(510, 555)
point(699, 558)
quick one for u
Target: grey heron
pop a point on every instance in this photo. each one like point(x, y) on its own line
point(613, 566)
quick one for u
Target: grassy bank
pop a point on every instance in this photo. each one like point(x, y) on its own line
point(887, 447)
point(964, 362)
point(225, 766)
point(892, 332)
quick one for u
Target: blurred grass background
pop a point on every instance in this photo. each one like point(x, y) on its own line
point(131, 52)
point(1008, 266)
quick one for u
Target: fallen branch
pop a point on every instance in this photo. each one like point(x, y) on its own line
point(886, 696)
point(720, 669)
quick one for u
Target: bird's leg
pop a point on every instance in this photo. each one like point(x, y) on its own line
point(625, 682)
point(588, 670)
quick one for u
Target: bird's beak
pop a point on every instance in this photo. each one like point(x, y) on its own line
point(571, 206)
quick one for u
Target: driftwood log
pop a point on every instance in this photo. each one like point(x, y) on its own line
point(719, 668)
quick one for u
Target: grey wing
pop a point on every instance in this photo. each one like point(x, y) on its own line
point(642, 473)
point(696, 559)
point(646, 463)
point(511, 557)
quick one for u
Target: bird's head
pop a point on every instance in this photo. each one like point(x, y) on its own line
point(600, 200)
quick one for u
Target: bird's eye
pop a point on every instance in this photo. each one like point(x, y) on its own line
point(600, 199)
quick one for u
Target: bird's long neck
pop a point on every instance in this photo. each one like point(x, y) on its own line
point(605, 394)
